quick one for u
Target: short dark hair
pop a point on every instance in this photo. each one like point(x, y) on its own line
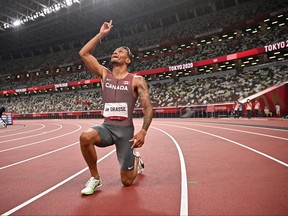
point(129, 53)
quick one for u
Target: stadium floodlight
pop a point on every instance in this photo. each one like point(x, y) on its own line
point(57, 7)
point(16, 23)
point(68, 2)
point(6, 25)
point(47, 10)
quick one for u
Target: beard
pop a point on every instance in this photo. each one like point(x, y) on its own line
point(114, 62)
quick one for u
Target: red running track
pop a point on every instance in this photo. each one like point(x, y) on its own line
point(192, 167)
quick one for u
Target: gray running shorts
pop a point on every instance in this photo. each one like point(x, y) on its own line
point(119, 135)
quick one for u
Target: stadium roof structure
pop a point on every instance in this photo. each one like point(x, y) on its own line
point(28, 24)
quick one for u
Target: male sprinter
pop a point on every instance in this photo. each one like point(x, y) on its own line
point(120, 91)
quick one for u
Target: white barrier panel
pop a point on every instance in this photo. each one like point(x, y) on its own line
point(7, 117)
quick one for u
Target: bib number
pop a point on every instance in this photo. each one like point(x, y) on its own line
point(116, 111)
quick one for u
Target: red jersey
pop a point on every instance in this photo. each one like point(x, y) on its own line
point(249, 106)
point(119, 101)
point(257, 105)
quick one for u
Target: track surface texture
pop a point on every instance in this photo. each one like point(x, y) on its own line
point(192, 167)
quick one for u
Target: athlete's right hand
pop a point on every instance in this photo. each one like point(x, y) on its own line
point(138, 139)
point(106, 28)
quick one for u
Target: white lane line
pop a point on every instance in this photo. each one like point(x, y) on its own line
point(265, 127)
point(38, 156)
point(52, 188)
point(259, 134)
point(17, 147)
point(236, 143)
point(248, 132)
point(184, 190)
point(46, 132)
point(239, 125)
point(9, 130)
point(43, 126)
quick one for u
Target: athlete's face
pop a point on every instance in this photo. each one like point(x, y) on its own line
point(120, 56)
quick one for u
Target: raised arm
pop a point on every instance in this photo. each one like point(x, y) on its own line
point(86, 52)
point(143, 93)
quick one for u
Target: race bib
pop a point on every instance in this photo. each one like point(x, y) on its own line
point(116, 110)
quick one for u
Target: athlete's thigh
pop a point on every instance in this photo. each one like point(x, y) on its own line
point(123, 148)
point(104, 136)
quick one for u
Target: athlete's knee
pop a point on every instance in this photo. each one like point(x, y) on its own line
point(88, 137)
point(126, 181)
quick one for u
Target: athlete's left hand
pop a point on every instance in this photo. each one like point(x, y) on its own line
point(138, 139)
